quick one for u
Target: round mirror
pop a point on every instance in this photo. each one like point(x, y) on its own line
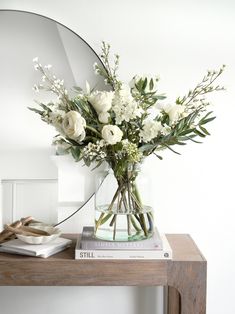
point(24, 139)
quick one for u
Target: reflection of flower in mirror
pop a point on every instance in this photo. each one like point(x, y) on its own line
point(50, 82)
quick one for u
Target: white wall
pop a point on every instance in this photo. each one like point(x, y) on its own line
point(178, 40)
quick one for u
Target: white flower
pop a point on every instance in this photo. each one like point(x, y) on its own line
point(151, 130)
point(35, 88)
point(35, 59)
point(95, 65)
point(94, 151)
point(111, 134)
point(124, 106)
point(175, 112)
point(74, 125)
point(49, 66)
point(36, 66)
point(104, 117)
point(96, 68)
point(56, 118)
point(58, 83)
point(101, 101)
point(88, 88)
point(101, 143)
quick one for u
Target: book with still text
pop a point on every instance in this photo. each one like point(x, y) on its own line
point(88, 247)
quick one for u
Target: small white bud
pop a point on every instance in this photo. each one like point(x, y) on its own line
point(88, 89)
point(95, 65)
point(35, 88)
point(36, 67)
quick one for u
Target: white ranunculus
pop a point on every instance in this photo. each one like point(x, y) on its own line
point(104, 117)
point(111, 134)
point(101, 101)
point(74, 125)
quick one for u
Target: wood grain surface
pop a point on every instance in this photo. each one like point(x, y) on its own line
point(185, 274)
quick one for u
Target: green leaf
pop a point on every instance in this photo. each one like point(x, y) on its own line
point(204, 130)
point(199, 133)
point(145, 82)
point(93, 130)
point(208, 113)
point(185, 132)
point(146, 147)
point(181, 124)
point(77, 88)
point(206, 120)
point(138, 86)
point(167, 146)
point(191, 117)
point(159, 97)
point(180, 143)
point(36, 110)
point(46, 108)
point(178, 101)
point(97, 165)
point(190, 138)
point(158, 156)
point(165, 119)
point(87, 162)
point(151, 84)
point(76, 152)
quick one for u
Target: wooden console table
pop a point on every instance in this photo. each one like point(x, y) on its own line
point(185, 275)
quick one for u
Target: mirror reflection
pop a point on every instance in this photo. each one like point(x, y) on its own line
point(24, 139)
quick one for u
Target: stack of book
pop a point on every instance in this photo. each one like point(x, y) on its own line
point(42, 250)
point(89, 247)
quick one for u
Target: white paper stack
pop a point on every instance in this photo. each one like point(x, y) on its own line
point(41, 250)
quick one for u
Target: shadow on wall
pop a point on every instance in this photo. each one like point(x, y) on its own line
point(89, 300)
point(149, 300)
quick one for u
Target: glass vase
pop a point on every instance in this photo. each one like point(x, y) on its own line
point(122, 205)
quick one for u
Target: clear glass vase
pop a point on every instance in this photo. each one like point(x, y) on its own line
point(122, 205)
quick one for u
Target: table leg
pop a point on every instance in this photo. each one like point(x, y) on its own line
point(173, 301)
point(189, 278)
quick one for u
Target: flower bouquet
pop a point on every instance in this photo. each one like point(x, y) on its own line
point(121, 127)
